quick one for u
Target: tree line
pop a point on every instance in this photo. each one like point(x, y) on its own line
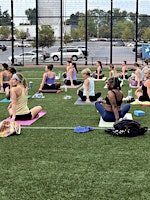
point(98, 24)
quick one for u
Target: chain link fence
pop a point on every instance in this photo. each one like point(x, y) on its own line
point(109, 30)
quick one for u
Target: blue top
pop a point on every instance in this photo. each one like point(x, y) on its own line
point(74, 77)
point(91, 87)
point(49, 80)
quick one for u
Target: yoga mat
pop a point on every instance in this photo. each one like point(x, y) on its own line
point(131, 86)
point(69, 86)
point(80, 102)
point(50, 91)
point(5, 100)
point(142, 103)
point(104, 124)
point(102, 79)
point(29, 122)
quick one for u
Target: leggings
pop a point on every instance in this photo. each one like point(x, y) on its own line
point(51, 87)
point(75, 82)
point(133, 82)
point(92, 98)
point(109, 116)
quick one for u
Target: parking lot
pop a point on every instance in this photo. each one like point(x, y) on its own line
point(97, 51)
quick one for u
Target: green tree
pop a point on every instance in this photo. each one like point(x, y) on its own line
point(122, 29)
point(46, 36)
point(5, 19)
point(81, 26)
point(4, 32)
point(146, 34)
point(73, 20)
point(74, 34)
point(31, 15)
point(20, 34)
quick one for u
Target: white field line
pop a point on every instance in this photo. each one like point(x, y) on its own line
point(52, 127)
point(62, 128)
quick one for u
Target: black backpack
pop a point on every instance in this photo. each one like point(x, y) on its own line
point(127, 128)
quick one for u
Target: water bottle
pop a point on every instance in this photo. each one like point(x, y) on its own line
point(30, 85)
point(130, 93)
point(65, 88)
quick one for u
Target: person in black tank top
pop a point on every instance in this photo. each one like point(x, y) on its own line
point(113, 109)
point(143, 92)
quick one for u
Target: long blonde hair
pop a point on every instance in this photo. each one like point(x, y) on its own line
point(22, 80)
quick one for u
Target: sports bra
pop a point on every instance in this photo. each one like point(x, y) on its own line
point(118, 102)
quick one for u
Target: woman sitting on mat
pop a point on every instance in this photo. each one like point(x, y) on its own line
point(12, 71)
point(136, 78)
point(18, 108)
point(71, 75)
point(68, 65)
point(112, 71)
point(4, 77)
point(124, 74)
point(143, 92)
point(112, 110)
point(98, 73)
point(88, 93)
point(48, 81)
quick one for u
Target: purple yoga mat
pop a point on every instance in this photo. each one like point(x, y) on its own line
point(29, 122)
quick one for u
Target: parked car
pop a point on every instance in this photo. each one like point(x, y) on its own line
point(75, 53)
point(20, 44)
point(43, 52)
point(119, 43)
point(83, 49)
point(131, 44)
point(93, 39)
point(26, 56)
point(3, 47)
point(138, 45)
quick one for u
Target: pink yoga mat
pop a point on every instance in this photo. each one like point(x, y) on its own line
point(29, 122)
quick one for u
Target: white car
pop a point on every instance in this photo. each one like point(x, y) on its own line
point(131, 44)
point(26, 57)
point(93, 39)
point(75, 53)
point(20, 44)
point(83, 49)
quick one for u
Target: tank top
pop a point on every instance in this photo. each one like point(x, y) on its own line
point(74, 76)
point(144, 88)
point(118, 102)
point(6, 78)
point(91, 87)
point(50, 80)
point(21, 107)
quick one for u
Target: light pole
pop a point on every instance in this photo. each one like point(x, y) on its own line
point(12, 32)
point(23, 50)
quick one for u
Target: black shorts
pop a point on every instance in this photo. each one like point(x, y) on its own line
point(24, 117)
point(143, 98)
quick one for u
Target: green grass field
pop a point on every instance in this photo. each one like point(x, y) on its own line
point(58, 164)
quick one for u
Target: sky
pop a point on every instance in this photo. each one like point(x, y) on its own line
point(72, 6)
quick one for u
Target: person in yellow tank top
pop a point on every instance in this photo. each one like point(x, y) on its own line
point(18, 108)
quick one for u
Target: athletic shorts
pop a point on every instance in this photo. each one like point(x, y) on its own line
point(24, 117)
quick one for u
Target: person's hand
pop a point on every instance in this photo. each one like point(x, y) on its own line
point(2, 89)
point(77, 92)
point(88, 100)
point(72, 85)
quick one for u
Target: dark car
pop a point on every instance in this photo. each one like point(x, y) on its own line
point(119, 43)
point(3, 47)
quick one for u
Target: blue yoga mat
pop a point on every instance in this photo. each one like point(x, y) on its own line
point(8, 101)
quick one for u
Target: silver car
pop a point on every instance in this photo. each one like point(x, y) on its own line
point(26, 57)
